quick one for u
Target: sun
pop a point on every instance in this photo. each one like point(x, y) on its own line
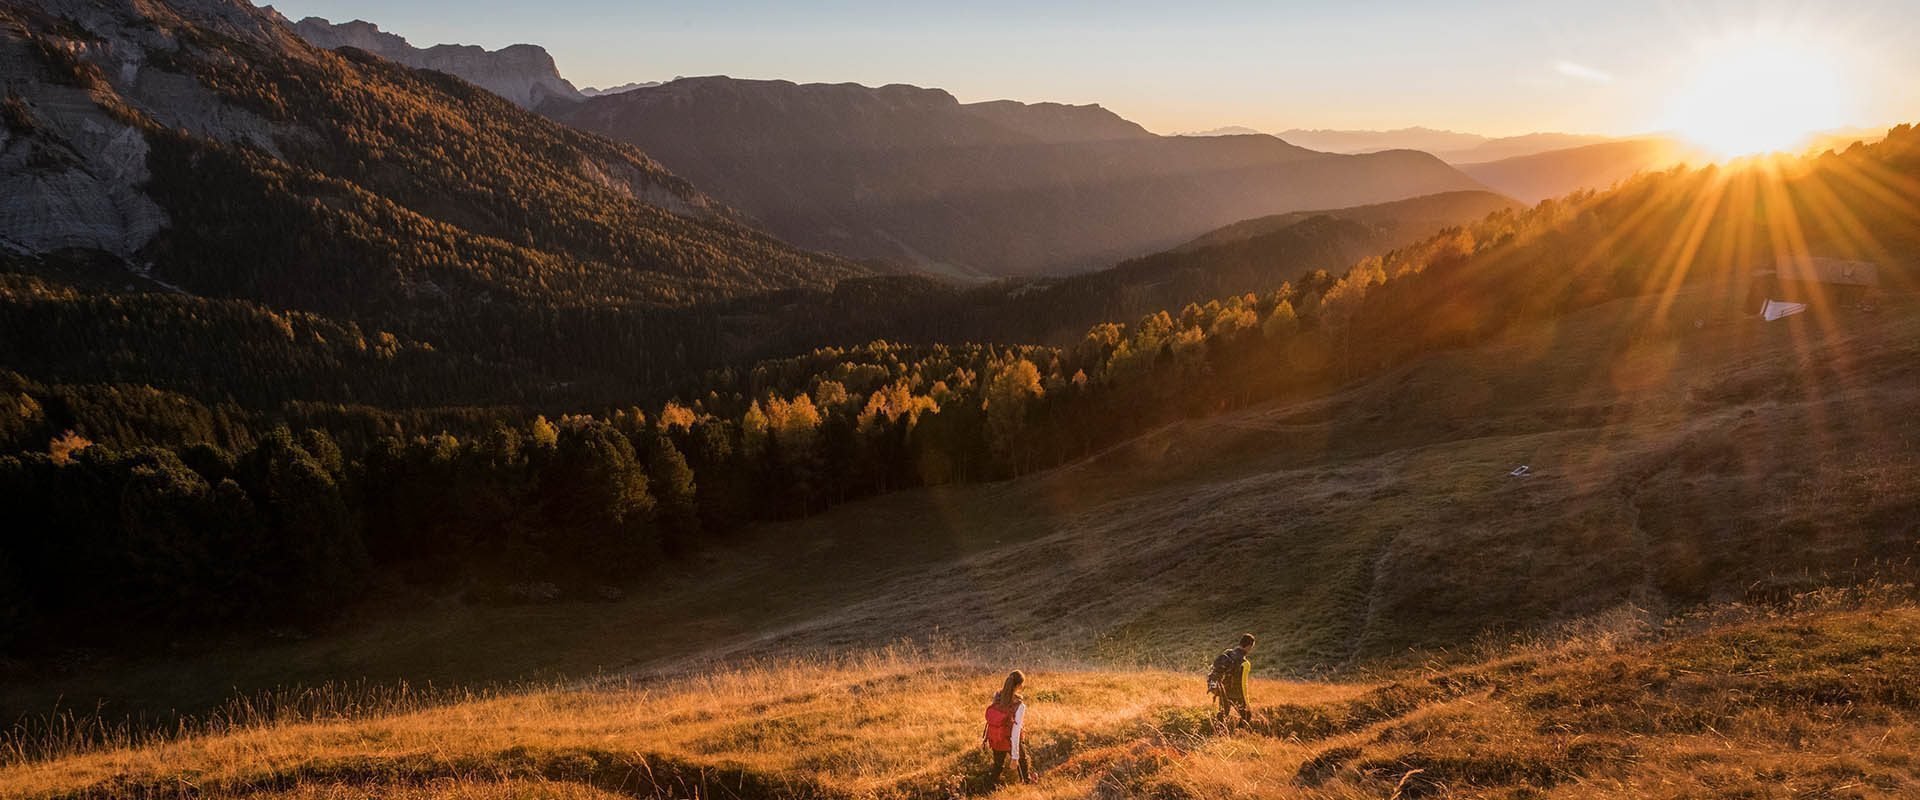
point(1758, 93)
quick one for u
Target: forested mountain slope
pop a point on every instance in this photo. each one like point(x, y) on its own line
point(912, 175)
point(73, 321)
point(215, 153)
point(1253, 256)
point(1537, 176)
point(1406, 221)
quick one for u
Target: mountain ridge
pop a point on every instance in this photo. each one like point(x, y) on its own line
point(523, 73)
point(911, 175)
point(591, 91)
point(1537, 176)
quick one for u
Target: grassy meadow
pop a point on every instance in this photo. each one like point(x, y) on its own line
point(1815, 699)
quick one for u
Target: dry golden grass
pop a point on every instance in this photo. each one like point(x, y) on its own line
point(898, 721)
point(449, 789)
point(1819, 702)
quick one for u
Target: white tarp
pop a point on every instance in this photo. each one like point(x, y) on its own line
point(1775, 309)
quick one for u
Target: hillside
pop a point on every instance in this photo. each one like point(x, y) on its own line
point(913, 176)
point(212, 153)
point(1252, 256)
point(1256, 256)
point(1406, 220)
point(1537, 176)
point(1814, 701)
point(74, 323)
point(1671, 466)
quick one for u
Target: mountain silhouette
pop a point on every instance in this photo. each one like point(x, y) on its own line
point(913, 176)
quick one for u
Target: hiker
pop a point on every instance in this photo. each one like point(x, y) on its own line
point(1228, 681)
point(1006, 716)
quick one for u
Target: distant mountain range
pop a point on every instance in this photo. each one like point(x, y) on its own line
point(1428, 140)
point(522, 73)
point(1452, 147)
point(909, 175)
point(625, 87)
point(1230, 130)
point(1023, 188)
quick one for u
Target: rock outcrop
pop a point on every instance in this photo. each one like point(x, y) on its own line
point(74, 149)
point(72, 180)
point(73, 152)
point(524, 74)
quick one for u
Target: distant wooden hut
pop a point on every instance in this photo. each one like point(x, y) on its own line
point(1818, 282)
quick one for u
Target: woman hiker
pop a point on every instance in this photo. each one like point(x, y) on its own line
point(1005, 718)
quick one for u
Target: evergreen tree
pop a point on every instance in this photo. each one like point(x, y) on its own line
point(597, 511)
point(675, 491)
point(314, 558)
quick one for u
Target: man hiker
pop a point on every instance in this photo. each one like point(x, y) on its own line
point(1228, 681)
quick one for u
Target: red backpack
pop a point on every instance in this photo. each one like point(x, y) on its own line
point(999, 728)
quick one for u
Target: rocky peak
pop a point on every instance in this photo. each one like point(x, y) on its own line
point(522, 73)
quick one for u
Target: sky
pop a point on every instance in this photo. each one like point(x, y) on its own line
point(1497, 68)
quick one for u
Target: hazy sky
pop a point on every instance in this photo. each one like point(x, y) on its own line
point(1497, 67)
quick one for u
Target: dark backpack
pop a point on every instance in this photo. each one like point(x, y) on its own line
point(1223, 666)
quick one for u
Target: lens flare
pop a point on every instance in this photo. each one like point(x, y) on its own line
point(1759, 93)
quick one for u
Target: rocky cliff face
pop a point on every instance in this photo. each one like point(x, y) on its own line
point(73, 149)
point(71, 180)
point(522, 73)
